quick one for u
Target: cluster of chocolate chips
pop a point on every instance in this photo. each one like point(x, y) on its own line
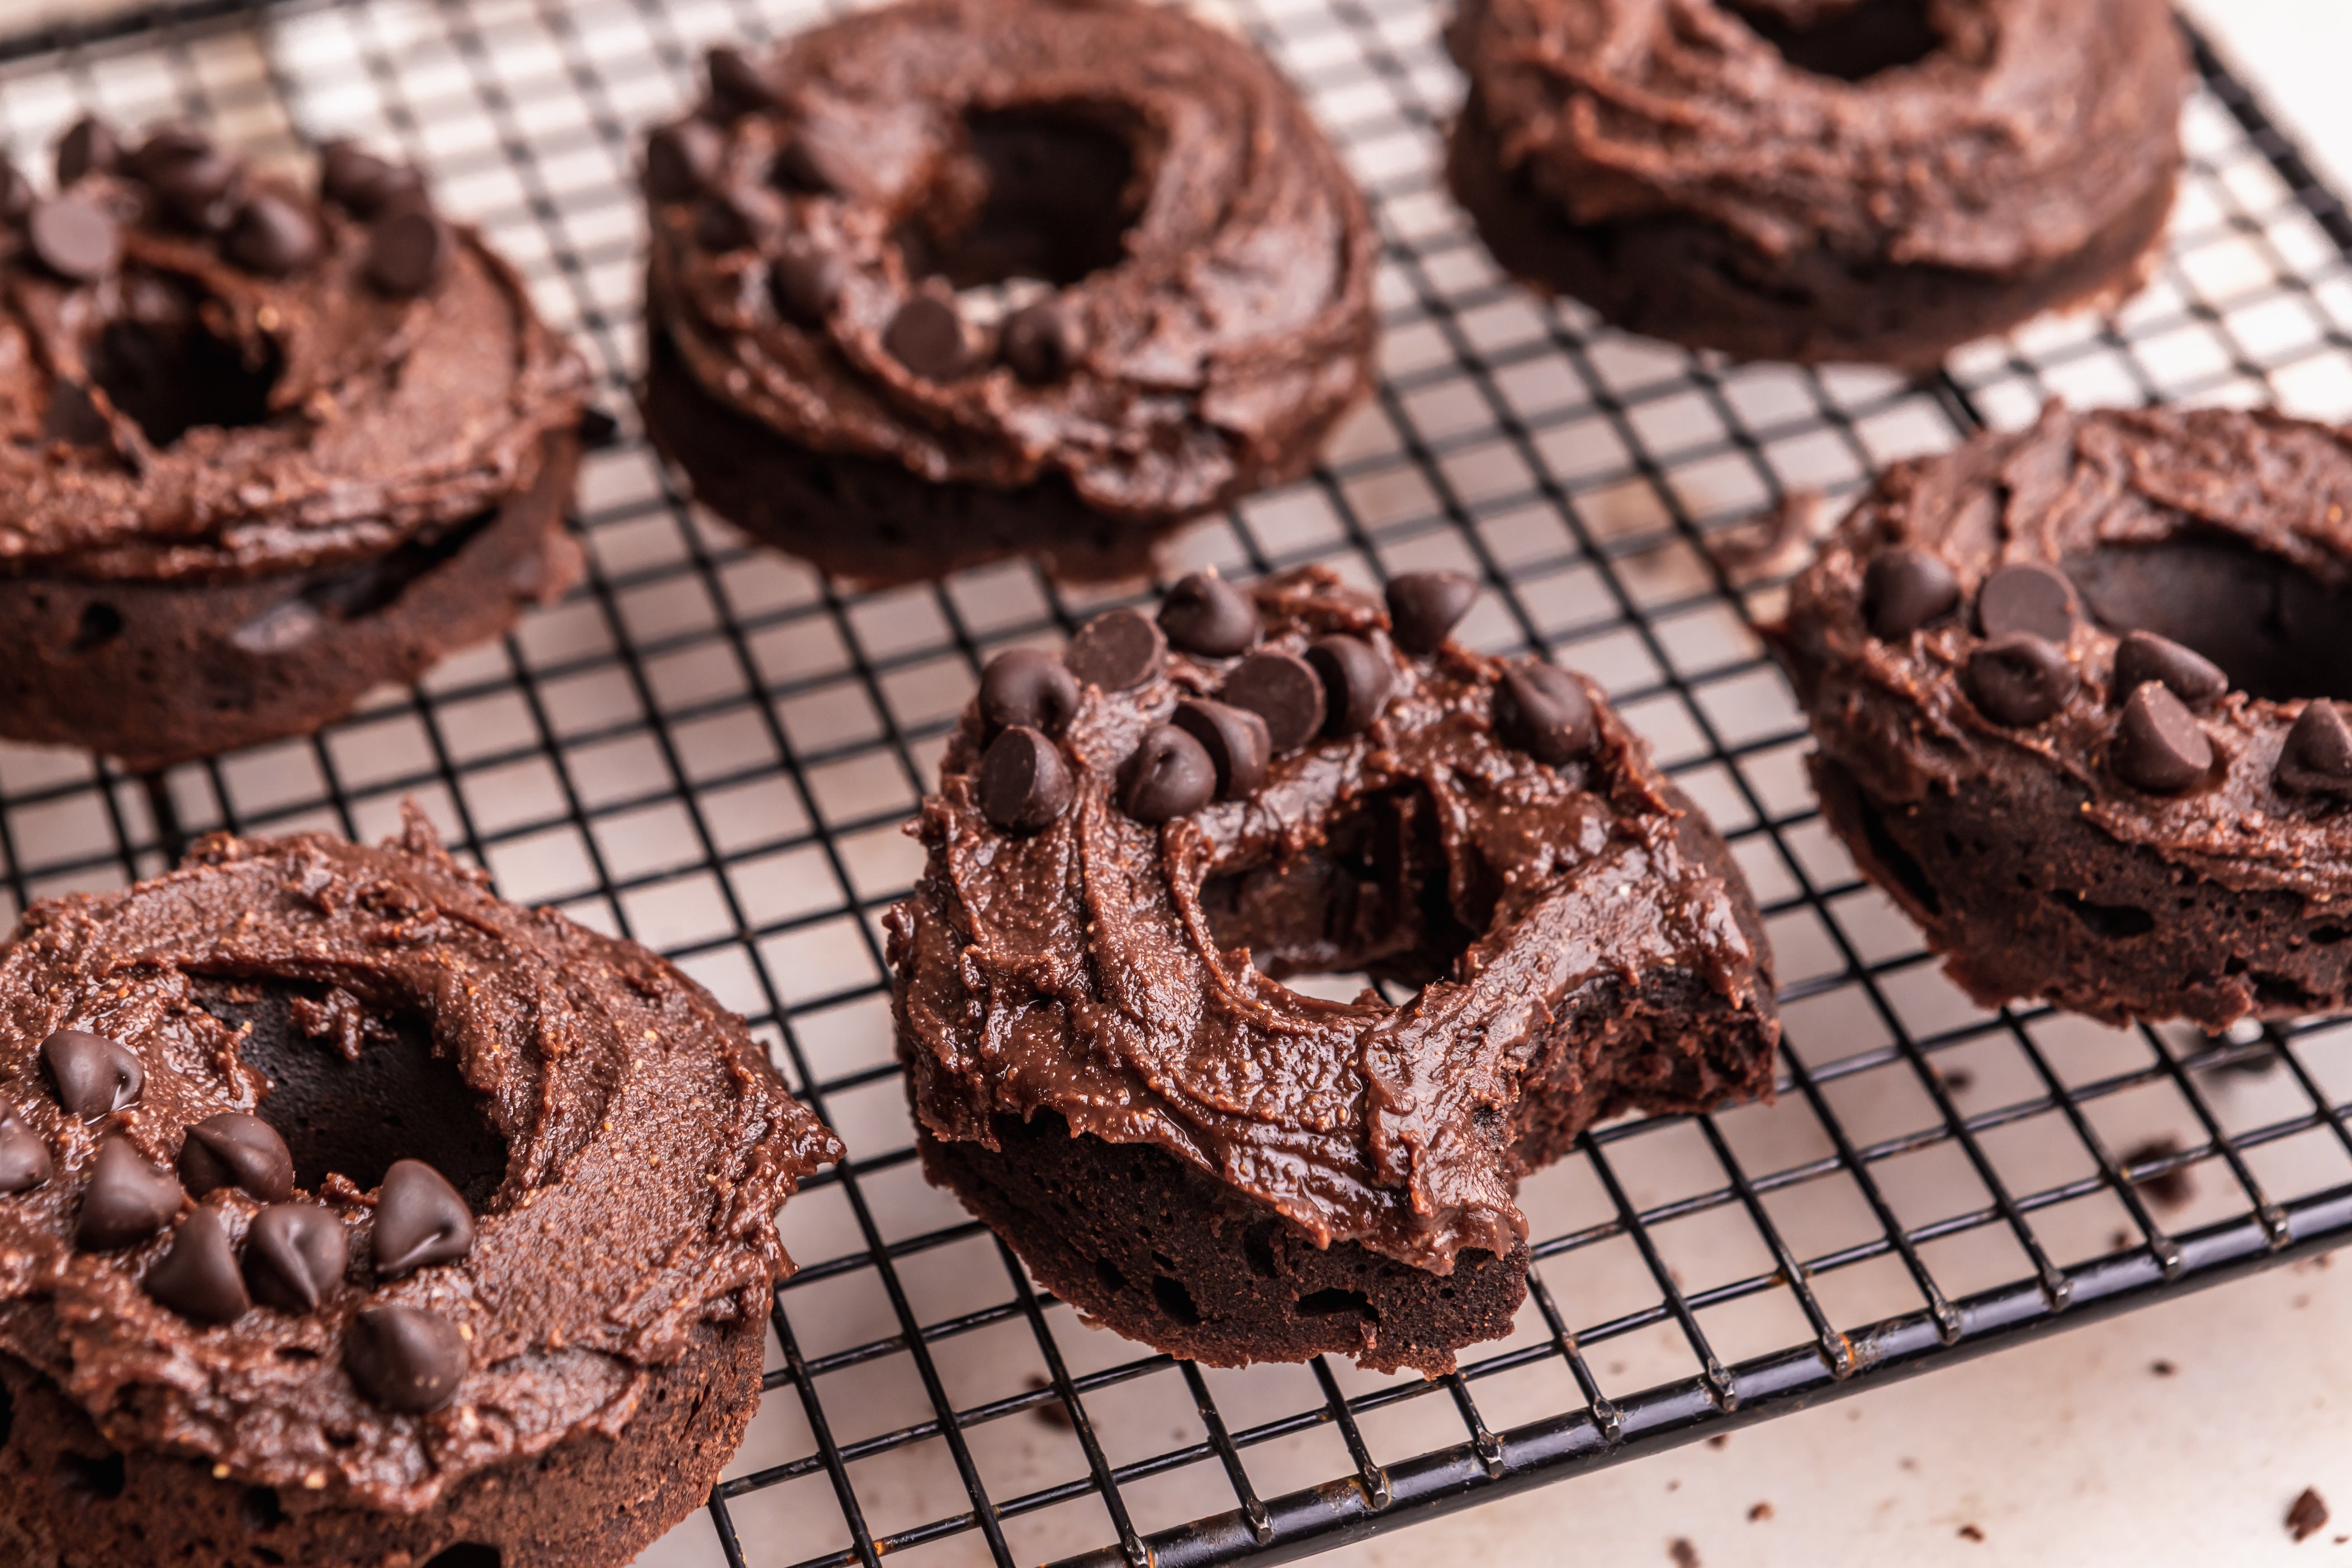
point(191, 184)
point(1271, 702)
point(407, 1359)
point(1042, 342)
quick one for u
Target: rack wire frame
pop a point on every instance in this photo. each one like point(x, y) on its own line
point(711, 750)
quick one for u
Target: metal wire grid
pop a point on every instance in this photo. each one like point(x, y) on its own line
point(711, 749)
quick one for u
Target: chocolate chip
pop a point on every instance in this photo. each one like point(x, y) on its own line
point(1043, 341)
point(127, 1199)
point(927, 336)
point(407, 1359)
point(2159, 746)
point(16, 193)
point(1904, 589)
point(165, 145)
point(198, 1278)
point(1206, 614)
point(1356, 681)
point(598, 429)
point(1117, 649)
point(88, 147)
point(1544, 711)
point(682, 159)
point(1425, 606)
point(75, 238)
point(233, 1149)
point(1284, 690)
point(816, 161)
point(2027, 596)
point(1023, 687)
point(2186, 673)
point(25, 1160)
point(203, 192)
point(2317, 756)
point(806, 281)
point(736, 85)
point(272, 236)
point(1169, 776)
point(2018, 680)
point(1234, 739)
point(294, 1254)
point(407, 251)
point(1024, 783)
point(736, 220)
point(365, 184)
point(420, 1221)
point(91, 1074)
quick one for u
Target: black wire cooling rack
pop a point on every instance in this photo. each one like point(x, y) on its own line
point(711, 749)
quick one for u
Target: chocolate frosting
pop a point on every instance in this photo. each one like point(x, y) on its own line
point(2029, 129)
point(649, 1145)
point(1232, 315)
point(2221, 529)
point(1078, 969)
point(389, 418)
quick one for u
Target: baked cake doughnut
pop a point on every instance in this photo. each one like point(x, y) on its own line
point(2077, 691)
point(260, 450)
point(1198, 314)
point(351, 1217)
point(1204, 1159)
point(1875, 180)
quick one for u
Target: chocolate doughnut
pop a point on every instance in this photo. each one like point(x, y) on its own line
point(1873, 180)
point(1196, 318)
point(350, 1217)
point(2077, 691)
point(1208, 1161)
point(260, 450)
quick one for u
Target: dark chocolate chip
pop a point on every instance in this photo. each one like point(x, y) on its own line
point(420, 1221)
point(1169, 776)
point(2027, 596)
point(2317, 755)
point(167, 144)
point(2186, 673)
point(2018, 680)
point(1544, 711)
point(294, 1254)
point(407, 251)
point(24, 1159)
point(73, 417)
point(407, 1359)
point(1425, 606)
point(88, 147)
point(1356, 681)
point(1234, 739)
point(75, 238)
point(91, 1074)
point(1024, 783)
point(16, 193)
point(598, 428)
point(272, 236)
point(1206, 614)
point(1284, 690)
point(816, 161)
point(2159, 746)
point(233, 1149)
point(198, 1278)
point(928, 336)
point(736, 85)
point(1043, 341)
point(1117, 649)
point(203, 192)
point(806, 281)
point(1023, 687)
point(365, 184)
point(1904, 589)
point(127, 1200)
point(733, 220)
point(682, 159)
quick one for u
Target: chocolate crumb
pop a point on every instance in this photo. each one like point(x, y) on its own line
point(1684, 1554)
point(1957, 1080)
point(2307, 1516)
point(2166, 1189)
point(1759, 1513)
point(1052, 1412)
point(2162, 1368)
point(1720, 1439)
point(1970, 1532)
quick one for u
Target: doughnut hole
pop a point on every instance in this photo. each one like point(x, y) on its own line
point(164, 362)
point(1034, 199)
point(2274, 630)
point(1852, 42)
point(397, 1099)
